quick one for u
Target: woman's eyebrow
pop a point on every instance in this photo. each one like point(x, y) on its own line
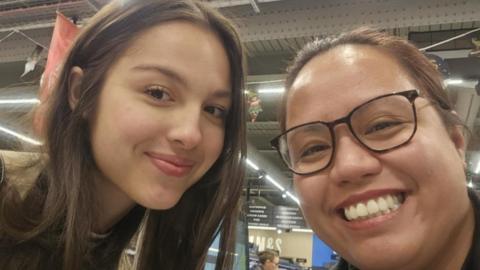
point(162, 70)
point(221, 93)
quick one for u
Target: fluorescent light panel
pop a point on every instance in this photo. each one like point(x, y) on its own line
point(271, 90)
point(477, 169)
point(453, 81)
point(295, 199)
point(273, 181)
point(252, 165)
point(20, 101)
point(262, 228)
point(302, 230)
point(20, 136)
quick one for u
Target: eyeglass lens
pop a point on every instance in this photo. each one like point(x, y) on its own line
point(379, 125)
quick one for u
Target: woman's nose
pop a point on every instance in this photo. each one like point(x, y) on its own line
point(185, 130)
point(352, 162)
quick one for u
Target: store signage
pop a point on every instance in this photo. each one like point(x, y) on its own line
point(259, 215)
point(288, 217)
point(265, 242)
point(281, 217)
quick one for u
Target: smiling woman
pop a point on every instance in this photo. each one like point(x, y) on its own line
point(378, 155)
point(146, 125)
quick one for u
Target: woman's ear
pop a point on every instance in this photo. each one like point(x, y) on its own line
point(74, 86)
point(457, 136)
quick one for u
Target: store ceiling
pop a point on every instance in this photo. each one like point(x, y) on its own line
point(272, 31)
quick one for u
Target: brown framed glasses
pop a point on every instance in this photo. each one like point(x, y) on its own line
point(381, 124)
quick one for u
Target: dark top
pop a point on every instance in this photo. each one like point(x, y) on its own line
point(473, 259)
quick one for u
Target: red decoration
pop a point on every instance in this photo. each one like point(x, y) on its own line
point(63, 36)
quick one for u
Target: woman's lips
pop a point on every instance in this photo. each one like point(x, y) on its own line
point(370, 209)
point(171, 165)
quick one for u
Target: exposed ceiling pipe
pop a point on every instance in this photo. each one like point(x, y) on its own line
point(46, 23)
point(448, 40)
point(233, 3)
point(94, 5)
point(27, 27)
point(6, 2)
point(55, 6)
point(255, 6)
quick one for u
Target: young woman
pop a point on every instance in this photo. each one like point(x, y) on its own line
point(146, 123)
point(379, 155)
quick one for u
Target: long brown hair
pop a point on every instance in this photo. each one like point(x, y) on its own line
point(51, 228)
point(420, 70)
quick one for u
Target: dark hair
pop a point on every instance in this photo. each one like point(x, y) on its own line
point(266, 255)
point(52, 226)
point(420, 70)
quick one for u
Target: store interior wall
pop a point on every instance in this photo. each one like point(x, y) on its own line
point(271, 35)
point(288, 244)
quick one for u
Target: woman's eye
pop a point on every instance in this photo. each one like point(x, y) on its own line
point(158, 93)
point(315, 150)
point(381, 126)
point(216, 111)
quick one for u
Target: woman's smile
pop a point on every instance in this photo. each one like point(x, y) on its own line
point(171, 165)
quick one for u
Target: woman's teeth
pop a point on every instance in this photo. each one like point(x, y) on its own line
point(373, 207)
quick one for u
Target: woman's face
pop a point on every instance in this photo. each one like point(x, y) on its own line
point(426, 174)
point(159, 124)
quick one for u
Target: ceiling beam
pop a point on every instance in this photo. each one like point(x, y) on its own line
point(290, 19)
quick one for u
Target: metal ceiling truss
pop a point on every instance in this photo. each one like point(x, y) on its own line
point(293, 19)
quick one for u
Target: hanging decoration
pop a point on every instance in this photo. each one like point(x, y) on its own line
point(476, 50)
point(440, 64)
point(32, 60)
point(64, 33)
point(254, 105)
point(34, 57)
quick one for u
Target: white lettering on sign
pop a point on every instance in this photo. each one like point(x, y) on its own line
point(266, 242)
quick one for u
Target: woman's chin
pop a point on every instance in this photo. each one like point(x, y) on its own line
point(163, 202)
point(386, 258)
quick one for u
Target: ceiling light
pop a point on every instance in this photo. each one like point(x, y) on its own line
point(20, 101)
point(251, 164)
point(452, 81)
point(284, 195)
point(470, 184)
point(20, 136)
point(477, 169)
point(275, 183)
point(266, 82)
point(295, 199)
point(271, 90)
point(302, 230)
point(263, 175)
point(262, 228)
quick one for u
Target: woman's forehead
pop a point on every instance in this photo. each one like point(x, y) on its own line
point(347, 65)
point(332, 84)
